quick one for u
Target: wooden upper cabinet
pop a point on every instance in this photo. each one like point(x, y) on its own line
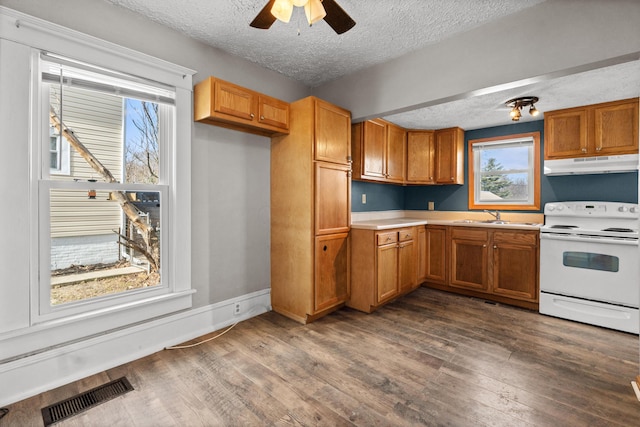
point(369, 145)
point(594, 130)
point(379, 151)
point(449, 156)
point(616, 127)
point(273, 112)
point(332, 133)
point(395, 153)
point(420, 157)
point(225, 104)
point(565, 133)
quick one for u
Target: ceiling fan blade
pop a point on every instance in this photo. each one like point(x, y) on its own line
point(265, 19)
point(336, 17)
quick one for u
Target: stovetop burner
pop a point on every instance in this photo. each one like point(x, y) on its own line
point(566, 227)
point(619, 230)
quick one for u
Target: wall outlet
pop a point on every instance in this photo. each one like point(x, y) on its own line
point(364, 199)
point(432, 205)
point(237, 309)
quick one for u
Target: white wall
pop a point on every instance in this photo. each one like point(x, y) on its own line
point(550, 37)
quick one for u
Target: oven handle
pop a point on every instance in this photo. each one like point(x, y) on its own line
point(585, 239)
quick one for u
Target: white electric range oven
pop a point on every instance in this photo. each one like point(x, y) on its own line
point(590, 263)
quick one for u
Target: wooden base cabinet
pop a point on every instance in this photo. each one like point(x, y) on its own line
point(435, 254)
point(494, 264)
point(383, 267)
point(311, 211)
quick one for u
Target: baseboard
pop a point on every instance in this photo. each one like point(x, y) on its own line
point(31, 375)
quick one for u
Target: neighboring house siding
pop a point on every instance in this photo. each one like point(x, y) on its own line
point(97, 121)
point(82, 229)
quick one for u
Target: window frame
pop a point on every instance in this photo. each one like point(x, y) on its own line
point(104, 314)
point(475, 176)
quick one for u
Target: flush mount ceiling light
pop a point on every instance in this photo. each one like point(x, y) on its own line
point(516, 105)
point(315, 10)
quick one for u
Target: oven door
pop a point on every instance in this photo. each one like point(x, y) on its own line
point(593, 268)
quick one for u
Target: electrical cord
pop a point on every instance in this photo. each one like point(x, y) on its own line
point(3, 412)
point(179, 347)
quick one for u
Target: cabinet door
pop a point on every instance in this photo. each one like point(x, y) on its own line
point(515, 265)
point(469, 259)
point(386, 272)
point(565, 133)
point(373, 150)
point(420, 158)
point(331, 285)
point(436, 254)
point(332, 133)
point(422, 254)
point(332, 198)
point(273, 112)
point(449, 156)
point(395, 153)
point(407, 269)
point(616, 128)
point(234, 100)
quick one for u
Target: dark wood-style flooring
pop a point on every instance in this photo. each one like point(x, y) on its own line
point(429, 358)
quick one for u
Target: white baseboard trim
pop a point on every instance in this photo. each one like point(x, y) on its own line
point(31, 375)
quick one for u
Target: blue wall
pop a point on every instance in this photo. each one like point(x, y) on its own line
point(618, 187)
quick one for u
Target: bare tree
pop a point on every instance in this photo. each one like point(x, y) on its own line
point(142, 161)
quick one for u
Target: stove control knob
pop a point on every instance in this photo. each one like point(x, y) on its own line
point(624, 209)
point(560, 207)
point(551, 208)
point(634, 210)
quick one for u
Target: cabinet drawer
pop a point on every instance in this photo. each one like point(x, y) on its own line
point(406, 234)
point(469, 233)
point(519, 238)
point(387, 238)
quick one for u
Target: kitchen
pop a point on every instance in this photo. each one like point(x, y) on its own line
point(220, 154)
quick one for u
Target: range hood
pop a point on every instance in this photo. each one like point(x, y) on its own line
point(592, 165)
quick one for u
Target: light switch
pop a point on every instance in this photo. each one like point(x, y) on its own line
point(431, 206)
point(364, 199)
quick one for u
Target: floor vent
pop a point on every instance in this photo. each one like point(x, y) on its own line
point(74, 405)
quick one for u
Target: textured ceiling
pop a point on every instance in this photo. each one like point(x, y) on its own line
point(384, 30)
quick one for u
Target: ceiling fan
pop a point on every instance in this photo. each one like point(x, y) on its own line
point(315, 10)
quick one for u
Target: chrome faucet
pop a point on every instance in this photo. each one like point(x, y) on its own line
point(495, 214)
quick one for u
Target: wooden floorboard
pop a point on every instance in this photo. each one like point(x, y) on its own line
point(429, 358)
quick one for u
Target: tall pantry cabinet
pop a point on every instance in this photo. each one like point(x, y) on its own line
point(311, 211)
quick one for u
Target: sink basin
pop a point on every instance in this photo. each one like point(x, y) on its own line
point(494, 221)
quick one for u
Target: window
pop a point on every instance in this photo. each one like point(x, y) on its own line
point(105, 188)
point(504, 172)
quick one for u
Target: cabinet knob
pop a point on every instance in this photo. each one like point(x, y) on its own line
point(252, 116)
point(388, 239)
point(484, 246)
point(598, 148)
point(495, 247)
point(261, 117)
point(584, 150)
point(430, 178)
point(452, 179)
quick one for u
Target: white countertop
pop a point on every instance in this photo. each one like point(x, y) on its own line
point(383, 224)
point(388, 223)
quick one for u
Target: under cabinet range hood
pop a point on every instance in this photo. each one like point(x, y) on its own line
point(592, 165)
